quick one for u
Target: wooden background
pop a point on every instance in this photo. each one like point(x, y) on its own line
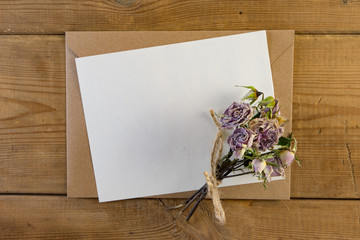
point(325, 191)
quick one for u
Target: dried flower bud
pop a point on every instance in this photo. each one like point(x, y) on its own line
point(258, 165)
point(268, 171)
point(277, 167)
point(287, 157)
point(252, 95)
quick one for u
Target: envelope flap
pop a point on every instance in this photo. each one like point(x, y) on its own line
point(280, 42)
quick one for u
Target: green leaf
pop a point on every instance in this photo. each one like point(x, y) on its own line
point(250, 96)
point(271, 104)
point(248, 87)
point(268, 99)
point(284, 141)
point(298, 161)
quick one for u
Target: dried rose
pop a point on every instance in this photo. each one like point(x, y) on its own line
point(287, 157)
point(276, 166)
point(236, 114)
point(258, 165)
point(268, 132)
point(268, 171)
point(239, 138)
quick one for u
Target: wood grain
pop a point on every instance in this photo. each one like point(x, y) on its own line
point(32, 121)
point(326, 116)
point(49, 17)
point(326, 123)
point(60, 218)
point(325, 112)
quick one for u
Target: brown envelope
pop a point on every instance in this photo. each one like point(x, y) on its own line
point(80, 175)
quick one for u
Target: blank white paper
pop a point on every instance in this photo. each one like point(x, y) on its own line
point(147, 110)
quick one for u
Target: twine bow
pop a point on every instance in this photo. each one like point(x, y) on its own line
point(211, 180)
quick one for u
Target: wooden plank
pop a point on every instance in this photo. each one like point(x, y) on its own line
point(49, 17)
point(60, 218)
point(32, 121)
point(326, 116)
point(326, 123)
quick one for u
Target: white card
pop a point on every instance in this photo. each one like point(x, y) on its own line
point(147, 110)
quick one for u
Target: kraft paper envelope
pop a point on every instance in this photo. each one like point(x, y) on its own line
point(79, 44)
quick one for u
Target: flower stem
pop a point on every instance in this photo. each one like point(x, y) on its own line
point(240, 174)
point(199, 195)
point(202, 196)
point(198, 191)
point(229, 169)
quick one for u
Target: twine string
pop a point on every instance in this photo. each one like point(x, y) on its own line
point(211, 180)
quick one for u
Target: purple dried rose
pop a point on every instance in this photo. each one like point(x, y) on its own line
point(268, 132)
point(239, 138)
point(236, 114)
point(270, 168)
point(277, 168)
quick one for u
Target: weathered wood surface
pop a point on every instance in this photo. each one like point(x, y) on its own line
point(326, 116)
point(55, 17)
point(326, 122)
point(32, 126)
point(54, 217)
point(32, 120)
